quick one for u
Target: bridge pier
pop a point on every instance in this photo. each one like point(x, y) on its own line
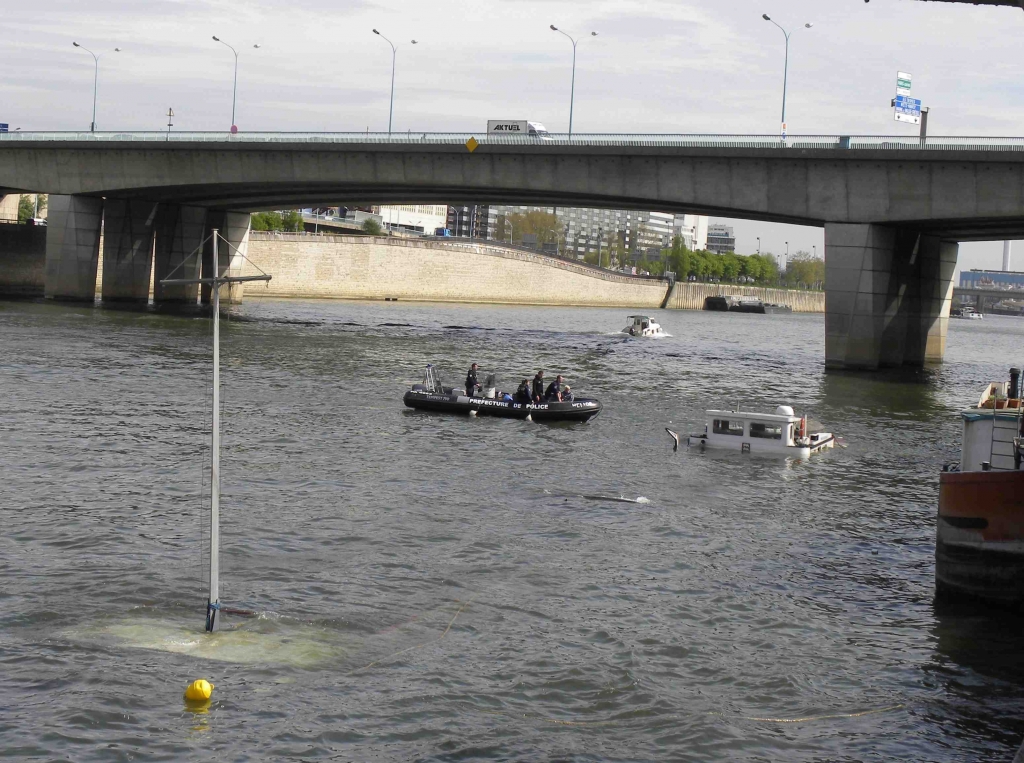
point(72, 247)
point(887, 296)
point(234, 228)
point(179, 232)
point(127, 250)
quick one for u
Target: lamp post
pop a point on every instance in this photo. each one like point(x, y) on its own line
point(170, 123)
point(394, 52)
point(785, 71)
point(456, 211)
point(572, 89)
point(234, 88)
point(758, 244)
point(511, 229)
point(95, 80)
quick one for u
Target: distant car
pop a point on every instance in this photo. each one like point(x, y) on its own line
point(442, 232)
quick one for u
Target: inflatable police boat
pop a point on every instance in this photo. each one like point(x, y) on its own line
point(431, 395)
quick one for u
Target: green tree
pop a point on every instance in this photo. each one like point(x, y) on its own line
point(730, 266)
point(372, 227)
point(292, 221)
point(25, 209)
point(266, 221)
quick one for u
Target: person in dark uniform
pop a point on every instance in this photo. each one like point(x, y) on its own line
point(538, 387)
point(471, 381)
point(523, 394)
point(554, 391)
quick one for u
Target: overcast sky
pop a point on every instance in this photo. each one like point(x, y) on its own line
point(657, 66)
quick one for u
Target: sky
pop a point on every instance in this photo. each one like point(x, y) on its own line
point(656, 66)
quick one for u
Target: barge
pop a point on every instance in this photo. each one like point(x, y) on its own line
point(979, 536)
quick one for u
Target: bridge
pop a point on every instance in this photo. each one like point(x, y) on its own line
point(893, 208)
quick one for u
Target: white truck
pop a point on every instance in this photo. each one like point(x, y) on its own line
point(517, 127)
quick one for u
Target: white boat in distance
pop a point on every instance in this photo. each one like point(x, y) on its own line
point(966, 312)
point(643, 326)
point(780, 433)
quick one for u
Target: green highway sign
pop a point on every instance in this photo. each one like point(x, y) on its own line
point(904, 83)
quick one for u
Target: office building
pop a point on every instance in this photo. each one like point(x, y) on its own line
point(422, 219)
point(721, 238)
point(693, 229)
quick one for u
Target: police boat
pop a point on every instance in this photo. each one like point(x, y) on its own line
point(431, 395)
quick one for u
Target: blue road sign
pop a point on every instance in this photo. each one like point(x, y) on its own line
point(908, 109)
point(4, 127)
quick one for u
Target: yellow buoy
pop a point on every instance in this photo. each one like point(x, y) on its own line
point(199, 690)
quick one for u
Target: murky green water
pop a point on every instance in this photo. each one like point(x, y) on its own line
point(440, 588)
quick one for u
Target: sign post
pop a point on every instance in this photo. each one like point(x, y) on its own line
point(4, 127)
point(906, 108)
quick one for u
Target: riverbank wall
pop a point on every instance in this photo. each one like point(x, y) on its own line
point(691, 296)
point(365, 267)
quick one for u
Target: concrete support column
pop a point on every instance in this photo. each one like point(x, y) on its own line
point(887, 296)
point(179, 233)
point(232, 250)
point(127, 250)
point(73, 247)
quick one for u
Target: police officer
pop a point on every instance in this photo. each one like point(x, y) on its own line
point(523, 394)
point(471, 381)
point(538, 387)
point(554, 391)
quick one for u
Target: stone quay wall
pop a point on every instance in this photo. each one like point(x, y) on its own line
point(366, 267)
point(691, 296)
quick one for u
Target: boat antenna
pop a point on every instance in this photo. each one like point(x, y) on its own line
point(216, 282)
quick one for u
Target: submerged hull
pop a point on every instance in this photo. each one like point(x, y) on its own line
point(979, 549)
point(581, 409)
point(819, 441)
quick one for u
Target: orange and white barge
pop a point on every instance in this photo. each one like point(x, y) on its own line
point(979, 544)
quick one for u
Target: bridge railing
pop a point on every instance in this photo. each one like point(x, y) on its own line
point(409, 138)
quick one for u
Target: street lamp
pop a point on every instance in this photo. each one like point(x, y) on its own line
point(572, 90)
point(511, 229)
point(95, 81)
point(391, 110)
point(785, 71)
point(758, 244)
point(234, 89)
point(456, 211)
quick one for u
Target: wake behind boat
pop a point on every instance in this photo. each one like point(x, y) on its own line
point(431, 395)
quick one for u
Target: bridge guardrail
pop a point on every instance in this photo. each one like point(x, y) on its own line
point(838, 142)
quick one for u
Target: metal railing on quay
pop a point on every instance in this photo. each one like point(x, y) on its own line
point(838, 142)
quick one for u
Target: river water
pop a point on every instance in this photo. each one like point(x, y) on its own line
point(442, 588)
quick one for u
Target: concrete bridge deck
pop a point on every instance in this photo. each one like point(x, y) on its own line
point(893, 208)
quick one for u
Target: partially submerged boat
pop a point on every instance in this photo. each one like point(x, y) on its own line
point(643, 326)
point(781, 433)
point(724, 303)
point(979, 536)
point(431, 395)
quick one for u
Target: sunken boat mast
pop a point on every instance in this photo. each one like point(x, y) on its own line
point(215, 282)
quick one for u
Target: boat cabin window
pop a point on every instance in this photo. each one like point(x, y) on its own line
point(725, 426)
point(766, 431)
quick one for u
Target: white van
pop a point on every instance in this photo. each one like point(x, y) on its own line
point(517, 127)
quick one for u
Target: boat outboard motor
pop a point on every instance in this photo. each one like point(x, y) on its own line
point(1014, 391)
point(489, 387)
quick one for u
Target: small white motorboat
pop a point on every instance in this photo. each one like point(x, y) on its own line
point(643, 326)
point(780, 433)
point(966, 312)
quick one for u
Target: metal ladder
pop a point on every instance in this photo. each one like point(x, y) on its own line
point(1005, 440)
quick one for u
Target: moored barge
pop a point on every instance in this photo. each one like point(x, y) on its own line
point(979, 543)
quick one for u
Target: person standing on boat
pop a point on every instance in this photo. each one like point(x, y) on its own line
point(472, 384)
point(538, 387)
point(523, 394)
point(554, 391)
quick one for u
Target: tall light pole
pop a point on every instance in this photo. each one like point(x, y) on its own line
point(95, 81)
point(391, 110)
point(511, 229)
point(572, 89)
point(758, 244)
point(785, 71)
point(234, 88)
